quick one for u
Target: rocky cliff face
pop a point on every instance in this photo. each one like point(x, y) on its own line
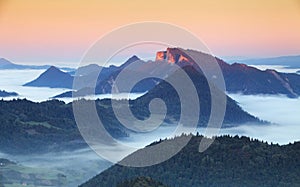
point(172, 56)
point(161, 56)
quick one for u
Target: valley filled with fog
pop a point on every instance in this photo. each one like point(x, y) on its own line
point(12, 81)
point(281, 111)
point(78, 166)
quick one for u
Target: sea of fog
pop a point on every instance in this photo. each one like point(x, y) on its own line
point(282, 112)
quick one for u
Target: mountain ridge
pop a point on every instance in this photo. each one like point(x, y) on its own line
point(239, 78)
point(6, 64)
point(4, 93)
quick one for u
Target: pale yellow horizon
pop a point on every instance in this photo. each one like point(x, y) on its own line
point(61, 30)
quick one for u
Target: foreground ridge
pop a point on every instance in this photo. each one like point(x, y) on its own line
point(229, 161)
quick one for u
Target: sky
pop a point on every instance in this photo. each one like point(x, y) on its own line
point(42, 31)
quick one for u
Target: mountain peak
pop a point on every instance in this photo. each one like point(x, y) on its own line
point(53, 68)
point(172, 56)
point(130, 60)
point(134, 57)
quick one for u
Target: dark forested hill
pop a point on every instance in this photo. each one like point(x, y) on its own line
point(29, 127)
point(141, 182)
point(229, 161)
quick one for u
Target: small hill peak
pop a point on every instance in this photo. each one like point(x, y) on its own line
point(4, 61)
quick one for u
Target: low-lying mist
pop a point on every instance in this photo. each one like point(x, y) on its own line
point(68, 168)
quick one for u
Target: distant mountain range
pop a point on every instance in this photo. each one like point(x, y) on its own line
point(4, 93)
point(239, 78)
point(86, 74)
point(289, 61)
point(6, 64)
point(229, 161)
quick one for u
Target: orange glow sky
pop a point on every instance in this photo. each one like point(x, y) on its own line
point(61, 30)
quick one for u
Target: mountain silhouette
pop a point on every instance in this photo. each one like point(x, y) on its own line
point(53, 78)
point(239, 78)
